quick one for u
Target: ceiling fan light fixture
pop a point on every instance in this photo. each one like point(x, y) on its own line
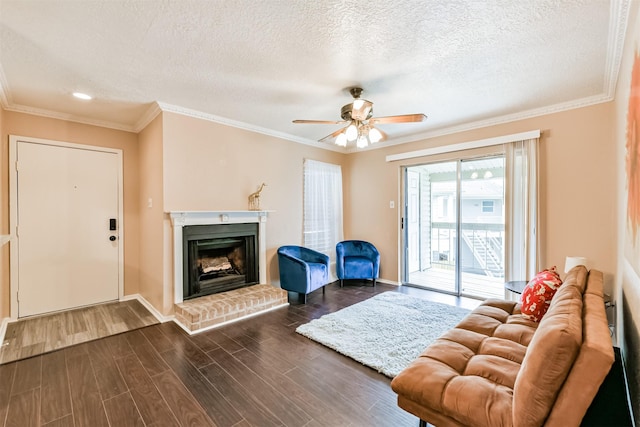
point(351, 132)
point(374, 135)
point(362, 141)
point(341, 140)
point(358, 115)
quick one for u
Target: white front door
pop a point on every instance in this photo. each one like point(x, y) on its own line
point(68, 227)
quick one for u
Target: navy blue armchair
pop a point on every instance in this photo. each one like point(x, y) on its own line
point(302, 270)
point(357, 259)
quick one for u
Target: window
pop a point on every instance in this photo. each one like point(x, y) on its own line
point(322, 207)
point(487, 206)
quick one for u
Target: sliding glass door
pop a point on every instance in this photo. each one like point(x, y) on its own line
point(454, 233)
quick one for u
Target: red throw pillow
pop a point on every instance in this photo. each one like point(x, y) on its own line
point(537, 295)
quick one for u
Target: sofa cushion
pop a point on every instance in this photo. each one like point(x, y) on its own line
point(593, 362)
point(468, 375)
point(538, 293)
point(549, 357)
point(358, 266)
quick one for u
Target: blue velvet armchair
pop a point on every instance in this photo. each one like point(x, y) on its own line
point(302, 270)
point(357, 259)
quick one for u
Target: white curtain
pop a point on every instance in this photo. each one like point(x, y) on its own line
point(323, 208)
point(522, 249)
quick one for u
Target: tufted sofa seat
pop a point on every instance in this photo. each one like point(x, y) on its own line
point(496, 368)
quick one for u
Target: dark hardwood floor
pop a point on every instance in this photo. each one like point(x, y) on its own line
point(256, 372)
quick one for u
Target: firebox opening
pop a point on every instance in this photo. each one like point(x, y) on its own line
point(219, 258)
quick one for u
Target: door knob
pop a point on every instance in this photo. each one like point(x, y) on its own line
point(112, 238)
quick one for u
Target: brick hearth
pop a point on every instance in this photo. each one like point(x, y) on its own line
point(214, 310)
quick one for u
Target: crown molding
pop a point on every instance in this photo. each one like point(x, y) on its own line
point(158, 107)
point(536, 112)
point(618, 21)
point(246, 126)
point(148, 116)
point(5, 95)
point(68, 117)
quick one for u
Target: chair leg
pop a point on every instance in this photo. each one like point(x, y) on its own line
point(323, 289)
point(302, 298)
point(341, 283)
point(423, 423)
point(374, 282)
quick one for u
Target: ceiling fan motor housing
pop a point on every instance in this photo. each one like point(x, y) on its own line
point(349, 112)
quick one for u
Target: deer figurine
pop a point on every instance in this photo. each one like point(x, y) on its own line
point(254, 199)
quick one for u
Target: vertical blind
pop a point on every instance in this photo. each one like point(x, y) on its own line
point(322, 207)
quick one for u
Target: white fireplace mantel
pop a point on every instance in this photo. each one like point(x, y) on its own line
point(180, 219)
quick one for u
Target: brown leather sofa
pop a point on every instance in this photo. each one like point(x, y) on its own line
point(496, 368)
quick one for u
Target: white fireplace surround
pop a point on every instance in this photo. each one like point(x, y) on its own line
point(181, 219)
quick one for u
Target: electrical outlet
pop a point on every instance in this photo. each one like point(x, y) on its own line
point(392, 204)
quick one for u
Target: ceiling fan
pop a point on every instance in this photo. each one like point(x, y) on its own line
point(358, 116)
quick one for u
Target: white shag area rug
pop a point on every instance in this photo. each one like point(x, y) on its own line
point(386, 332)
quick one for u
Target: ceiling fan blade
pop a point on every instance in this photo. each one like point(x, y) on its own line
point(331, 135)
point(406, 118)
point(321, 122)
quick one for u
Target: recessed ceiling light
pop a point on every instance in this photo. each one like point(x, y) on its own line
point(81, 95)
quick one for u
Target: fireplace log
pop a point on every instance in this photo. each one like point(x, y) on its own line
point(211, 264)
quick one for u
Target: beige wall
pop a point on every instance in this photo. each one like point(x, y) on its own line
point(628, 277)
point(40, 127)
point(209, 166)
point(151, 217)
point(577, 173)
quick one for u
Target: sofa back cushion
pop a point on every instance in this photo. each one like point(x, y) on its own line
point(550, 355)
point(593, 362)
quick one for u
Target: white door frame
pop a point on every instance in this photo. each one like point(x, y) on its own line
point(13, 210)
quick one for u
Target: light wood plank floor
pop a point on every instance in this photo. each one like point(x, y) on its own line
point(42, 334)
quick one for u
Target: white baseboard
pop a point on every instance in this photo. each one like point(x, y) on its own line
point(161, 317)
point(388, 282)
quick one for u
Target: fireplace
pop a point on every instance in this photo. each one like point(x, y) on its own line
point(238, 234)
point(219, 258)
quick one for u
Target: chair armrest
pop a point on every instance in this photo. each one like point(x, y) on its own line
point(290, 259)
point(294, 273)
point(309, 255)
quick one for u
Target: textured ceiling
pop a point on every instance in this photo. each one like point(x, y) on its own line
point(261, 64)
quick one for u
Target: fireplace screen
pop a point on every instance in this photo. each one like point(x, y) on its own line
point(219, 258)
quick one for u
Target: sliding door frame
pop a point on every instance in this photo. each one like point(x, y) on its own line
point(404, 240)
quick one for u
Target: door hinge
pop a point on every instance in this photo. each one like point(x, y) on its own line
point(402, 223)
point(17, 165)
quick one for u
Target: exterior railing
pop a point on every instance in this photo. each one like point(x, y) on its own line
point(482, 251)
